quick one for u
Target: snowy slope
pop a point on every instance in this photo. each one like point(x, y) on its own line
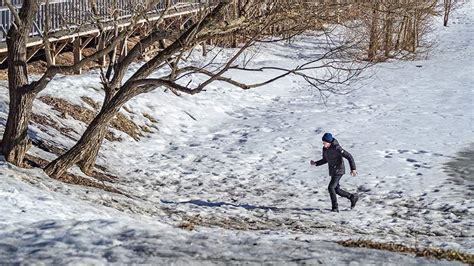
point(243, 164)
point(43, 226)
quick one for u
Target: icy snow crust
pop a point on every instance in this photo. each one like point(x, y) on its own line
point(244, 164)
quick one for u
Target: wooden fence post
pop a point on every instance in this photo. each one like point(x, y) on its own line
point(77, 51)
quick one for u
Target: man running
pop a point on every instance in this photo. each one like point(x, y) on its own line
point(332, 155)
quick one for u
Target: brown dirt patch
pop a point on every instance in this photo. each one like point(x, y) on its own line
point(101, 176)
point(79, 180)
point(187, 226)
point(437, 253)
point(37, 162)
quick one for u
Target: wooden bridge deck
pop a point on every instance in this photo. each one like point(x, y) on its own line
point(78, 11)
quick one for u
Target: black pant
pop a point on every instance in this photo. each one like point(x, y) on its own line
point(335, 189)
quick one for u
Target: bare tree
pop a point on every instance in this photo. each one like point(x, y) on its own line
point(388, 30)
point(254, 22)
point(448, 5)
point(392, 27)
point(22, 91)
point(373, 39)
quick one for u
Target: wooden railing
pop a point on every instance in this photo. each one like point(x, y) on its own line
point(59, 15)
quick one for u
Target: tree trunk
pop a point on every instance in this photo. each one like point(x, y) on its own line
point(85, 152)
point(388, 35)
point(447, 10)
point(446, 18)
point(398, 43)
point(15, 141)
point(406, 34)
point(234, 15)
point(86, 149)
point(87, 162)
point(416, 31)
point(373, 34)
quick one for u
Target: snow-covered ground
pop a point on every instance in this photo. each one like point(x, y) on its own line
point(240, 170)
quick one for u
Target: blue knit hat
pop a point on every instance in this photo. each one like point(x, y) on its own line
point(327, 137)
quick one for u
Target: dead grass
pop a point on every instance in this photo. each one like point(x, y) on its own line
point(49, 147)
point(436, 253)
point(127, 109)
point(42, 121)
point(67, 109)
point(149, 117)
point(146, 129)
point(91, 102)
point(122, 123)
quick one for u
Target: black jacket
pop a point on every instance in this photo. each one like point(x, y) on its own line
point(333, 157)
